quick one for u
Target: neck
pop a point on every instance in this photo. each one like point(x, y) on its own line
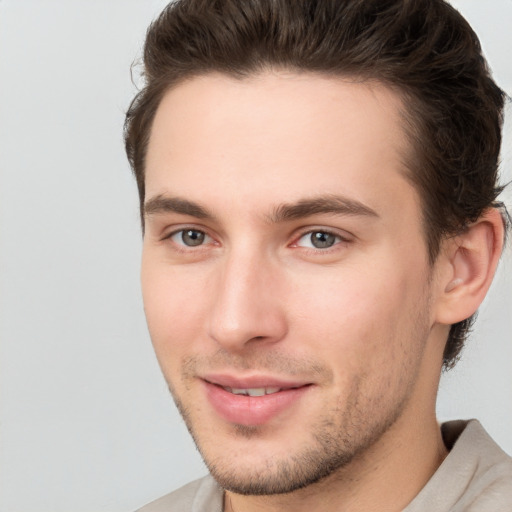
point(389, 474)
point(386, 477)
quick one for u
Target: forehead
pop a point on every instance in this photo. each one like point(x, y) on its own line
point(276, 137)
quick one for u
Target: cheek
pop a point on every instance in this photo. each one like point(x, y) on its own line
point(348, 301)
point(360, 319)
point(172, 304)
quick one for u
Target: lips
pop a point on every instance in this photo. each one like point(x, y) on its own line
point(252, 401)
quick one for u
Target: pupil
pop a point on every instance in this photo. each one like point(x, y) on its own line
point(321, 240)
point(192, 237)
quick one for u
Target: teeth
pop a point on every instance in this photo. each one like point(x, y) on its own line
point(256, 391)
point(253, 391)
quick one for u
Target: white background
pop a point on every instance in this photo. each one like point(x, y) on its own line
point(86, 422)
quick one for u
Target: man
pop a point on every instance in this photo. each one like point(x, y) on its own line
point(318, 184)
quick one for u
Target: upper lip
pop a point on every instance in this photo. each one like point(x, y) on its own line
point(252, 381)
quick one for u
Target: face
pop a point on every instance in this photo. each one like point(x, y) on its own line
point(285, 275)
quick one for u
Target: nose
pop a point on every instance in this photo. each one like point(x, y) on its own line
point(248, 307)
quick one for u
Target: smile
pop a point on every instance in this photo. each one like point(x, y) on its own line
point(253, 402)
point(252, 391)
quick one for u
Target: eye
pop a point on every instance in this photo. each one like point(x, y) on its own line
point(318, 240)
point(190, 237)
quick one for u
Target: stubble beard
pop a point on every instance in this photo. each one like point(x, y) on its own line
point(336, 440)
point(346, 431)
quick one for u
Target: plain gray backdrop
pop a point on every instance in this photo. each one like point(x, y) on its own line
point(86, 421)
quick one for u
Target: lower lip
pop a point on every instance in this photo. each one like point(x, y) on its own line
point(251, 410)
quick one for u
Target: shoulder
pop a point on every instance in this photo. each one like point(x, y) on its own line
point(490, 489)
point(476, 476)
point(203, 495)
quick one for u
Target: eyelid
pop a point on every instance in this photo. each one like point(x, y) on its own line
point(175, 238)
point(187, 227)
point(344, 237)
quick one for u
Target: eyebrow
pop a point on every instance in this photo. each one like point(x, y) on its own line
point(335, 204)
point(165, 204)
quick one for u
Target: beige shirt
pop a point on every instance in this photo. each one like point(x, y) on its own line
point(476, 476)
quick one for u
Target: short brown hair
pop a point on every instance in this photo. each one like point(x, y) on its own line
point(422, 48)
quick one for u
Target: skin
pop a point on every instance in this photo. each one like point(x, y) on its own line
point(363, 322)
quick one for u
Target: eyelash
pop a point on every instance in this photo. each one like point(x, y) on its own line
point(339, 239)
point(183, 247)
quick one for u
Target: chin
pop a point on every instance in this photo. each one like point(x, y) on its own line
point(247, 462)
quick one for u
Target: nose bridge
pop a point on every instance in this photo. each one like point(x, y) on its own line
point(245, 303)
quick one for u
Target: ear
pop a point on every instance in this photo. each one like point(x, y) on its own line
point(467, 264)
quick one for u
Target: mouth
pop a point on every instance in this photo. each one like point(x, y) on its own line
point(253, 401)
point(254, 391)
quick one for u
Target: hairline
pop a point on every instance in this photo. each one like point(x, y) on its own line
point(409, 153)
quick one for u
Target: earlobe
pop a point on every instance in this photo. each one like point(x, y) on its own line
point(469, 260)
